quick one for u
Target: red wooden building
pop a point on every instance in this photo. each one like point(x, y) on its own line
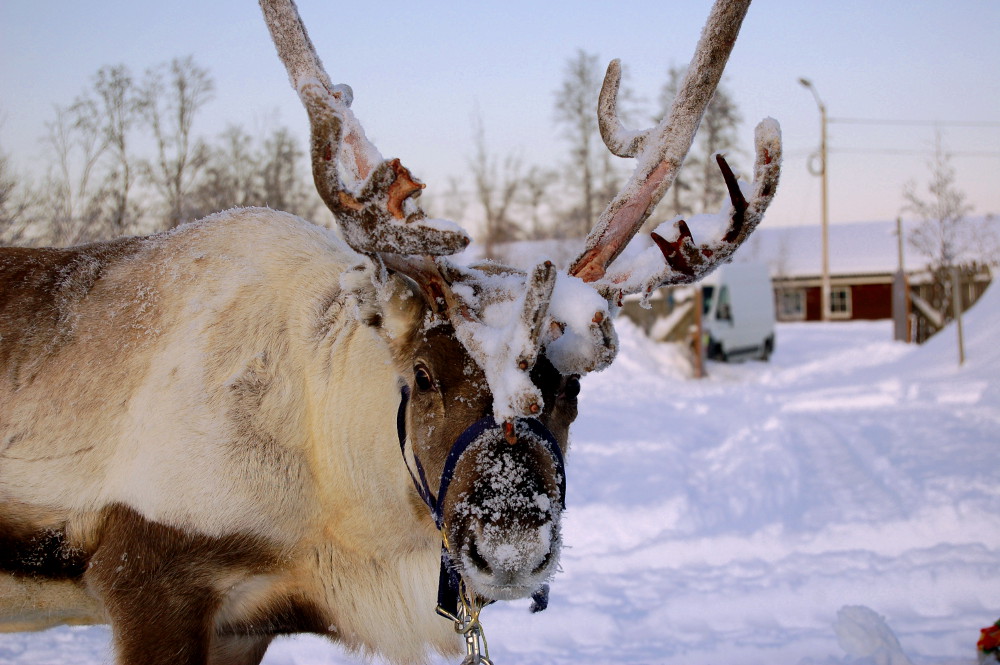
point(864, 259)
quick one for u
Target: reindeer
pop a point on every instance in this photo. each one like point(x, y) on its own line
point(251, 426)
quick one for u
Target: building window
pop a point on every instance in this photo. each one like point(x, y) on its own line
point(792, 305)
point(840, 302)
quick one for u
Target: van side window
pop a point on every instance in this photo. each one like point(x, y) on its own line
point(706, 298)
point(723, 311)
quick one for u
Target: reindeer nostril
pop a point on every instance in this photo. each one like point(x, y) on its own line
point(477, 559)
point(512, 556)
point(544, 563)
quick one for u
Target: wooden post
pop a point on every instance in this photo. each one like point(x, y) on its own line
point(901, 305)
point(956, 302)
point(699, 352)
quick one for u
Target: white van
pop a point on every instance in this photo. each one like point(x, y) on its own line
point(738, 312)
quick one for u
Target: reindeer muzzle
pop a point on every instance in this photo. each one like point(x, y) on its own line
point(483, 434)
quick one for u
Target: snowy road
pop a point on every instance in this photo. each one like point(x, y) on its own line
point(728, 520)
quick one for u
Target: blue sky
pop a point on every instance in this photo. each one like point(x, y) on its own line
point(421, 70)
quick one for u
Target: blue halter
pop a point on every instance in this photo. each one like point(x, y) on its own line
point(449, 580)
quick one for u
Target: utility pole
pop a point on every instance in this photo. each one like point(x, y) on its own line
point(824, 222)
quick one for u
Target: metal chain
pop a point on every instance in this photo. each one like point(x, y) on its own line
point(467, 624)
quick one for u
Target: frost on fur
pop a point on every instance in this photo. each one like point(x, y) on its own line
point(519, 524)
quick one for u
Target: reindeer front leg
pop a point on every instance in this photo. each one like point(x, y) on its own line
point(239, 649)
point(161, 589)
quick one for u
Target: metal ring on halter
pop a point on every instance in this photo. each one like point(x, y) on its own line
point(477, 652)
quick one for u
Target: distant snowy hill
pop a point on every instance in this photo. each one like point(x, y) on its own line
point(839, 505)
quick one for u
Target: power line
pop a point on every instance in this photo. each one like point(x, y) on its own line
point(921, 123)
point(900, 151)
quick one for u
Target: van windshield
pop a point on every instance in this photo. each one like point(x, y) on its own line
point(707, 292)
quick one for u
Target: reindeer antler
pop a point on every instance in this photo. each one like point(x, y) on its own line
point(497, 314)
point(659, 152)
point(376, 209)
point(502, 316)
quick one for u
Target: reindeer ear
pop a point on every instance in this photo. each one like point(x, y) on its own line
point(403, 307)
point(391, 304)
point(360, 294)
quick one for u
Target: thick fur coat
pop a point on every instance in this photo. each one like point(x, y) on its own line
point(212, 389)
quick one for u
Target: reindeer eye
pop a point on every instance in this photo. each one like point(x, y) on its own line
point(572, 388)
point(422, 377)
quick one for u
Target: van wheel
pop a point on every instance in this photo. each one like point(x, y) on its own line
point(765, 355)
point(715, 351)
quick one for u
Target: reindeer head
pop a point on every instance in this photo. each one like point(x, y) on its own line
point(489, 357)
point(495, 486)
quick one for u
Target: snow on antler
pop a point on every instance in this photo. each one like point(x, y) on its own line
point(502, 316)
point(675, 258)
point(659, 151)
point(499, 314)
point(502, 330)
point(374, 203)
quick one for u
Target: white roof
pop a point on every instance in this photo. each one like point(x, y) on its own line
point(855, 248)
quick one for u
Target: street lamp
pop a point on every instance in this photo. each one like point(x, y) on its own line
point(825, 282)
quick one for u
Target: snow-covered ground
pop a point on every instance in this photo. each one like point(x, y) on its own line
point(772, 513)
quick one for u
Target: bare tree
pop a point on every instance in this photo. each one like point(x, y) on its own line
point(496, 188)
point(71, 203)
point(717, 134)
point(700, 189)
point(591, 168)
point(230, 176)
point(241, 171)
point(945, 235)
point(283, 187)
point(88, 193)
point(575, 104)
point(536, 187)
point(680, 193)
point(15, 204)
point(171, 98)
point(111, 111)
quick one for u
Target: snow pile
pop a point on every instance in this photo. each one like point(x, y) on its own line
point(864, 634)
point(980, 325)
point(738, 519)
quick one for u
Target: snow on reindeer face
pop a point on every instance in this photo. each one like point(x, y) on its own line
point(503, 496)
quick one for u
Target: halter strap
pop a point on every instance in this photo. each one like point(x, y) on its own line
point(466, 439)
point(449, 581)
point(423, 489)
